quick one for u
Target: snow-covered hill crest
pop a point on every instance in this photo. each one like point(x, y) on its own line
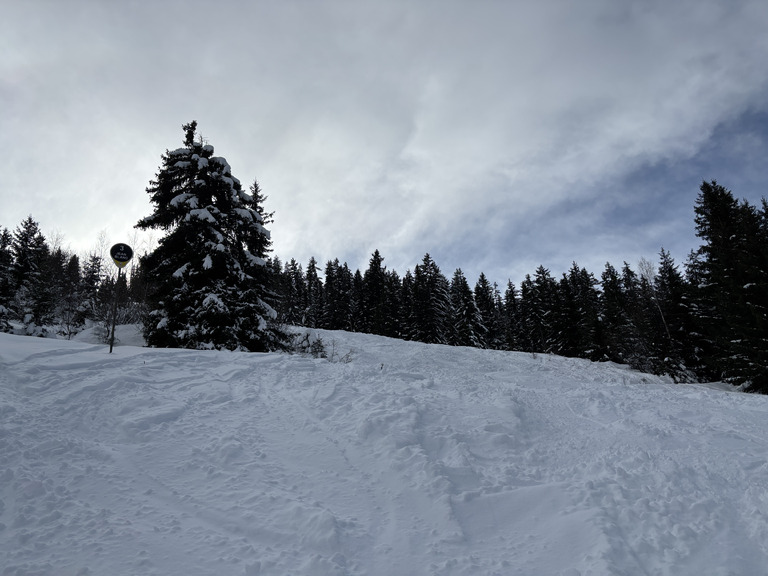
point(405, 458)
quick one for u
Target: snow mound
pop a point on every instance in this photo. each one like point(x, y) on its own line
point(389, 457)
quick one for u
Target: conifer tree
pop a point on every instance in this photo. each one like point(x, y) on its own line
point(313, 311)
point(277, 284)
point(329, 318)
point(262, 244)
point(294, 296)
point(136, 294)
point(408, 308)
point(538, 311)
point(431, 303)
point(393, 305)
point(486, 299)
point(32, 303)
point(732, 297)
point(207, 276)
point(467, 327)
point(345, 281)
point(68, 299)
point(530, 337)
point(579, 313)
point(336, 304)
point(357, 303)
point(375, 295)
point(92, 276)
point(747, 361)
point(6, 282)
point(615, 321)
point(496, 337)
point(669, 293)
point(511, 318)
point(637, 337)
point(716, 224)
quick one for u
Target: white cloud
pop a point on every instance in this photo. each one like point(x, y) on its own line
point(408, 127)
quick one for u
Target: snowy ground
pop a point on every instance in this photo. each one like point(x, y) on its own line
point(395, 459)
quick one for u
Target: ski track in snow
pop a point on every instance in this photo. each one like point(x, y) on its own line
point(410, 459)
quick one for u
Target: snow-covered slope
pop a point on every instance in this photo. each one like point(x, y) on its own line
point(395, 458)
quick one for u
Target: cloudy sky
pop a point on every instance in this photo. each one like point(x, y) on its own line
point(496, 135)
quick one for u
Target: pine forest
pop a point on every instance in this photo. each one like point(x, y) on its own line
point(212, 283)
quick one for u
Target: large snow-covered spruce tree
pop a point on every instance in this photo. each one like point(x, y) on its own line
point(207, 277)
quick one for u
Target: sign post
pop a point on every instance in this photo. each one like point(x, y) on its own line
point(121, 254)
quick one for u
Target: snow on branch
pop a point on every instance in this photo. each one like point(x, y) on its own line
point(180, 272)
point(245, 213)
point(225, 167)
point(255, 260)
point(201, 214)
point(190, 199)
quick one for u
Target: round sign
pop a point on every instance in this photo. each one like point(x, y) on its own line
point(121, 254)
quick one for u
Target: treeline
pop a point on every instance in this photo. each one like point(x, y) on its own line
point(705, 322)
point(626, 316)
point(48, 290)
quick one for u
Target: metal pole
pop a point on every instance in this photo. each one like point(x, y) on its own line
point(114, 311)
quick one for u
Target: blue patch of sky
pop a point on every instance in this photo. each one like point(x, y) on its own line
point(736, 155)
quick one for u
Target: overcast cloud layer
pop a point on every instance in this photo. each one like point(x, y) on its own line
point(497, 136)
